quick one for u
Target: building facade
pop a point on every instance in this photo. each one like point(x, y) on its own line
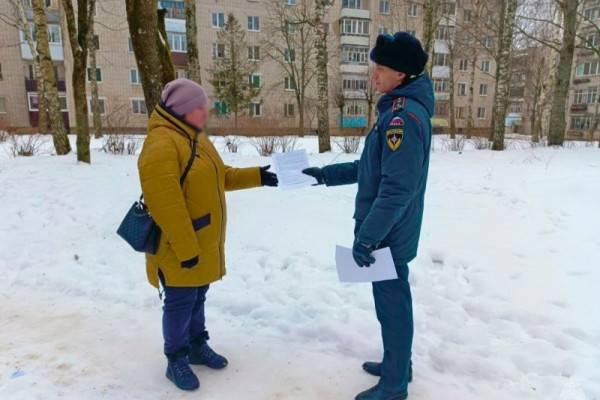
point(353, 26)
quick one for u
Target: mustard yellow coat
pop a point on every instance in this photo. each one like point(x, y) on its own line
point(192, 218)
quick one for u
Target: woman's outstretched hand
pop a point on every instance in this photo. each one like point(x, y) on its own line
point(268, 178)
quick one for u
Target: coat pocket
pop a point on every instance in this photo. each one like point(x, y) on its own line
point(201, 222)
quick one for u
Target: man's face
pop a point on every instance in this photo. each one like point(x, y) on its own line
point(386, 79)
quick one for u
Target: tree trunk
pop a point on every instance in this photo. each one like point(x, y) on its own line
point(96, 115)
point(59, 134)
point(322, 79)
point(557, 123)
point(78, 38)
point(168, 69)
point(470, 119)
point(429, 28)
point(143, 27)
point(509, 10)
point(451, 94)
point(191, 31)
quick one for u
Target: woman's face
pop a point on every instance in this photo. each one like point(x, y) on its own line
point(197, 117)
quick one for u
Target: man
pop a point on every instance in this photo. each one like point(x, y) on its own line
point(391, 176)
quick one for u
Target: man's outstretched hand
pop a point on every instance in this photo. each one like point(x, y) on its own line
point(362, 254)
point(268, 178)
point(316, 173)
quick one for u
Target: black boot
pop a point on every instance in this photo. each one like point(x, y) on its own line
point(374, 368)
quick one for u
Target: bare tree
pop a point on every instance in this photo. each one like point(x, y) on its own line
point(78, 27)
point(191, 32)
point(507, 18)
point(151, 49)
point(92, 48)
point(290, 42)
point(59, 134)
point(322, 76)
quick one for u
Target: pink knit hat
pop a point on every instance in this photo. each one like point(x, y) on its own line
point(184, 96)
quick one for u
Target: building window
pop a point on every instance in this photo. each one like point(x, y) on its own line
point(483, 89)
point(351, 26)
point(591, 40)
point(441, 108)
point(441, 85)
point(254, 53)
point(441, 60)
point(481, 112)
point(412, 10)
point(580, 122)
point(177, 42)
point(289, 55)
point(221, 108)
point(448, 8)
point(462, 89)
point(254, 80)
point(412, 32)
point(585, 96)
point(463, 65)
point(444, 32)
point(587, 68)
point(33, 102)
point(485, 66)
point(138, 106)
point(459, 112)
point(288, 109)
point(290, 2)
point(467, 16)
point(591, 14)
point(254, 24)
point(354, 84)
point(383, 30)
point(356, 4)
point(130, 45)
point(355, 54)
point(218, 50)
point(488, 42)
point(218, 20)
point(2, 105)
point(255, 109)
point(98, 74)
point(1, 77)
point(355, 109)
point(384, 6)
point(101, 103)
point(134, 74)
point(181, 73)
point(54, 34)
point(289, 83)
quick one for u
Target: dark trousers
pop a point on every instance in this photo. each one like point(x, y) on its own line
point(393, 304)
point(183, 318)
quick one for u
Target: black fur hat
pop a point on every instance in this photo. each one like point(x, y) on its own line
point(402, 52)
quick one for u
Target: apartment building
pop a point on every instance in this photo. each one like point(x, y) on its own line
point(583, 106)
point(353, 26)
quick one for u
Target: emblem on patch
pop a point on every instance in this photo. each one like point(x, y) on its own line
point(394, 137)
point(397, 121)
point(398, 104)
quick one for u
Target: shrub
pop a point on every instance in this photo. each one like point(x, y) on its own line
point(480, 143)
point(25, 145)
point(265, 145)
point(232, 144)
point(287, 143)
point(3, 136)
point(349, 144)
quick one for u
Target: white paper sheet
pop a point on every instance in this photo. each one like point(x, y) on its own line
point(289, 168)
point(349, 271)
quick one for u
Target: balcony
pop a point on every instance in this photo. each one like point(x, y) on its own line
point(31, 85)
point(579, 107)
point(354, 40)
point(355, 13)
point(175, 9)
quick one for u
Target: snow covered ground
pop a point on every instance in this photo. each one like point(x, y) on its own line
point(506, 286)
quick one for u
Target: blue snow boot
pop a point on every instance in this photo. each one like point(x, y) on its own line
point(180, 373)
point(202, 354)
point(374, 368)
point(377, 393)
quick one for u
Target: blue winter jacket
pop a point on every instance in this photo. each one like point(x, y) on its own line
point(392, 171)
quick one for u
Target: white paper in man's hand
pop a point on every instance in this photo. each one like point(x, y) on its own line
point(289, 168)
point(348, 271)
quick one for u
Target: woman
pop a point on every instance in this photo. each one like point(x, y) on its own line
point(191, 215)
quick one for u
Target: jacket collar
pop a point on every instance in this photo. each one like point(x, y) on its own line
point(176, 121)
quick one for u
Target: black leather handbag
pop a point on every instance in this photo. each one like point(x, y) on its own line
point(138, 228)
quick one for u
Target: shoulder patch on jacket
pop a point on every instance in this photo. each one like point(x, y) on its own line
point(395, 133)
point(398, 104)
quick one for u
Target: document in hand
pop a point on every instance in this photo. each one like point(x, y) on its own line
point(289, 168)
point(349, 271)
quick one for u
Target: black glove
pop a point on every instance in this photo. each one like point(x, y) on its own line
point(268, 178)
point(316, 173)
point(191, 263)
point(362, 254)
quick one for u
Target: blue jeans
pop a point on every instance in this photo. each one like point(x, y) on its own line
point(183, 318)
point(393, 304)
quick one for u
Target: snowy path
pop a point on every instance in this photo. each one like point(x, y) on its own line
point(505, 287)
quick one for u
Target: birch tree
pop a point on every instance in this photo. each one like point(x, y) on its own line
point(506, 34)
point(59, 133)
point(322, 77)
point(92, 48)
